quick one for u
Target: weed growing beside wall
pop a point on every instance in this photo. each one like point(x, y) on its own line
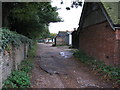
point(18, 79)
point(21, 77)
point(112, 73)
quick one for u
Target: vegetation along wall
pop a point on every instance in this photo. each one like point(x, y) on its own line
point(14, 49)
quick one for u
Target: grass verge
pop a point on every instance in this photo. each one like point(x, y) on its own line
point(21, 78)
point(109, 72)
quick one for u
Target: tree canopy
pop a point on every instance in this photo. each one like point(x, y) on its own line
point(29, 18)
point(53, 35)
point(74, 3)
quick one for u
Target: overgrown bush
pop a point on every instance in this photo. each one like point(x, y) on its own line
point(12, 38)
point(21, 77)
point(18, 79)
point(113, 73)
point(26, 66)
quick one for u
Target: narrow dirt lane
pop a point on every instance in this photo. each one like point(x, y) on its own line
point(55, 67)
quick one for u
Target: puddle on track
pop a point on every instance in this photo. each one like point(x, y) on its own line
point(66, 54)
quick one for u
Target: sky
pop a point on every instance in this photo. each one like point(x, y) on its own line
point(71, 17)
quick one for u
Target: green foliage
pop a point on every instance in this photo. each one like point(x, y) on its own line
point(100, 66)
point(112, 10)
point(18, 79)
point(45, 34)
point(26, 66)
point(30, 18)
point(21, 77)
point(12, 38)
point(52, 35)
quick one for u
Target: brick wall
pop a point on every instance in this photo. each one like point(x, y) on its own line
point(9, 60)
point(99, 41)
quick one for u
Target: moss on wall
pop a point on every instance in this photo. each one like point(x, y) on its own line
point(112, 10)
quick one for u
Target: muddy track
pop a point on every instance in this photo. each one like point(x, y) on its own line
point(54, 70)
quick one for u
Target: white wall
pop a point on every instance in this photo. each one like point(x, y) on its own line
point(70, 39)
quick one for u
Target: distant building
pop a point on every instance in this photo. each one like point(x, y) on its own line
point(63, 38)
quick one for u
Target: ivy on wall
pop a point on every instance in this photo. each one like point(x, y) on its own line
point(12, 38)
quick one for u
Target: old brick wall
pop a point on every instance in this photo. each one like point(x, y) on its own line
point(99, 41)
point(11, 59)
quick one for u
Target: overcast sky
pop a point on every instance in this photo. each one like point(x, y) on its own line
point(71, 17)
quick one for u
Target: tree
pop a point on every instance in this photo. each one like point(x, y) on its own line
point(45, 34)
point(29, 18)
point(52, 35)
point(75, 3)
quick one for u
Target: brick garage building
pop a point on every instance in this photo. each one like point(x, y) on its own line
point(63, 38)
point(99, 31)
